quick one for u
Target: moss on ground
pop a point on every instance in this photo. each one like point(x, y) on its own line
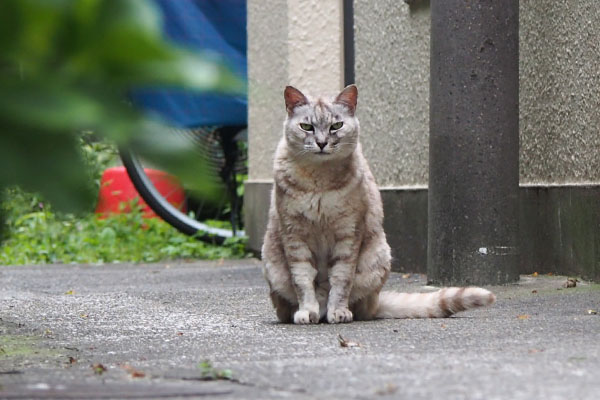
point(17, 351)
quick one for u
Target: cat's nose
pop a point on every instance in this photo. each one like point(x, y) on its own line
point(321, 145)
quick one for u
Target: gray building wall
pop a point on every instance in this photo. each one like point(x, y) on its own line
point(391, 45)
point(268, 75)
point(559, 125)
point(560, 92)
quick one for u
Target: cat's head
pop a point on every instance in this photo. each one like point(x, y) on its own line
point(322, 129)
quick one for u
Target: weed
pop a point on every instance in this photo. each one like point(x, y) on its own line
point(209, 373)
point(34, 234)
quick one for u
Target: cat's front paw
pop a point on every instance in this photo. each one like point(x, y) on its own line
point(339, 315)
point(306, 317)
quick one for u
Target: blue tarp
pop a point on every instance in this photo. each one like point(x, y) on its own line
point(215, 25)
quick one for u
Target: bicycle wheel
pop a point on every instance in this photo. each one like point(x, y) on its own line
point(175, 217)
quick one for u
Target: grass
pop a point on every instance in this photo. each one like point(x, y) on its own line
point(34, 234)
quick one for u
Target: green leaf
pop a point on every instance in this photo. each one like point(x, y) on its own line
point(66, 66)
point(45, 162)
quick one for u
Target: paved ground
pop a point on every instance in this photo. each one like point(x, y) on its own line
point(150, 326)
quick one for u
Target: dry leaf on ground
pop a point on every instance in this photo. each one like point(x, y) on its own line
point(346, 342)
point(133, 372)
point(571, 283)
point(98, 368)
point(390, 388)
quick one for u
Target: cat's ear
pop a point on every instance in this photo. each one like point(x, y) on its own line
point(293, 98)
point(348, 97)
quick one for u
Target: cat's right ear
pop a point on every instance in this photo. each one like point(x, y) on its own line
point(293, 98)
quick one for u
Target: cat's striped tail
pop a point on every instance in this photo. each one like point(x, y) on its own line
point(440, 304)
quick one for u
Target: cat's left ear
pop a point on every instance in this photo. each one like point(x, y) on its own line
point(348, 97)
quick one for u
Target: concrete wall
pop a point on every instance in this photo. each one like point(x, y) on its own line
point(290, 42)
point(559, 117)
point(559, 95)
point(391, 44)
point(560, 91)
point(268, 75)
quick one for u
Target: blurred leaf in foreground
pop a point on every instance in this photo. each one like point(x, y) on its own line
point(66, 66)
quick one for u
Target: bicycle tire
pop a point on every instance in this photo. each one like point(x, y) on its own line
point(167, 211)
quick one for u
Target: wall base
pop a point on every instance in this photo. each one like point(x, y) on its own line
point(559, 227)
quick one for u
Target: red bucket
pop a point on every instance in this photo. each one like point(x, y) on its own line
point(116, 188)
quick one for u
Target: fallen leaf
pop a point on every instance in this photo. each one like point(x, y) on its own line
point(70, 292)
point(534, 291)
point(135, 373)
point(138, 374)
point(72, 360)
point(592, 312)
point(406, 276)
point(550, 274)
point(179, 333)
point(523, 316)
point(443, 326)
point(535, 274)
point(83, 316)
point(533, 351)
point(390, 388)
point(571, 283)
point(347, 343)
point(99, 369)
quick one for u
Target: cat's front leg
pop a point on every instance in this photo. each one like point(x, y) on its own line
point(303, 278)
point(341, 278)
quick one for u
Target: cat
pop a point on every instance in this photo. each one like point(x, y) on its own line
point(325, 253)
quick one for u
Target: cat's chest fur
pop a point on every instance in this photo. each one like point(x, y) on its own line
point(323, 203)
point(318, 207)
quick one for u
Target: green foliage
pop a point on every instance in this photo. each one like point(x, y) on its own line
point(210, 373)
point(98, 155)
point(37, 235)
point(65, 67)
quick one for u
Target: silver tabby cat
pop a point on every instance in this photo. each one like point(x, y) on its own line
point(325, 252)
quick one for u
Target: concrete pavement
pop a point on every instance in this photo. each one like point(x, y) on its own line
point(150, 326)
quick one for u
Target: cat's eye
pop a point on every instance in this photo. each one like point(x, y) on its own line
point(336, 126)
point(307, 127)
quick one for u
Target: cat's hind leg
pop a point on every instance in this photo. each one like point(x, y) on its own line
point(372, 271)
point(365, 309)
point(283, 308)
point(283, 294)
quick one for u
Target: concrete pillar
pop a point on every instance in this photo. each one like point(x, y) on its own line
point(474, 142)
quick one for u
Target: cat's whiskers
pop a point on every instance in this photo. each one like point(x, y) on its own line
point(338, 146)
point(301, 152)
